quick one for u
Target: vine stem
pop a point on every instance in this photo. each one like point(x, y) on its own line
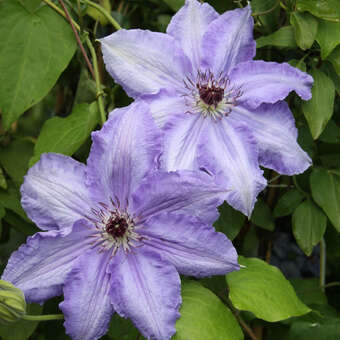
point(43, 317)
point(68, 17)
point(104, 12)
point(61, 12)
point(97, 79)
point(322, 264)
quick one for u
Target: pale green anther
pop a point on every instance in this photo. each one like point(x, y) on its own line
point(12, 303)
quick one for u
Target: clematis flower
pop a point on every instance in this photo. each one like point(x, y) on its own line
point(118, 232)
point(220, 109)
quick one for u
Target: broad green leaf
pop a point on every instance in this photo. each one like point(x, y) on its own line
point(328, 37)
point(270, 20)
point(30, 5)
point(309, 225)
point(287, 203)
point(329, 69)
point(324, 9)
point(66, 135)
point(305, 29)
point(14, 159)
point(262, 216)
point(18, 223)
point(298, 63)
point(325, 186)
point(230, 221)
point(175, 5)
point(319, 109)
point(284, 37)
point(34, 49)
point(204, 316)
point(22, 329)
point(309, 291)
point(331, 134)
point(3, 183)
point(10, 199)
point(2, 214)
point(263, 290)
point(334, 58)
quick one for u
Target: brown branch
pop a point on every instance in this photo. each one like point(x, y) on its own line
point(69, 19)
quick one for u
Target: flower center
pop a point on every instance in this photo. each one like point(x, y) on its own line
point(115, 228)
point(210, 96)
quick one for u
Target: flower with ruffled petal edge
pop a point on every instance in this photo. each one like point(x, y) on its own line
point(220, 109)
point(118, 232)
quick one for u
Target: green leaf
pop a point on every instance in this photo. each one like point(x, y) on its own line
point(10, 199)
point(19, 224)
point(319, 109)
point(175, 5)
point(269, 20)
point(305, 29)
point(334, 58)
point(204, 316)
point(230, 221)
point(309, 291)
point(284, 37)
point(122, 329)
point(262, 216)
point(328, 37)
point(22, 329)
point(3, 183)
point(14, 159)
point(66, 135)
point(325, 186)
point(331, 134)
point(309, 225)
point(34, 49)
point(263, 290)
point(287, 203)
point(30, 5)
point(324, 9)
point(298, 63)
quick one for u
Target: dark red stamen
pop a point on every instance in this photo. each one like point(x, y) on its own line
point(117, 226)
point(210, 94)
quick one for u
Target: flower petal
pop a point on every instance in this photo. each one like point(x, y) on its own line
point(228, 41)
point(182, 138)
point(194, 248)
point(165, 105)
point(54, 194)
point(144, 62)
point(269, 82)
point(146, 289)
point(188, 26)
point(86, 306)
point(123, 151)
point(184, 192)
point(39, 267)
point(274, 129)
point(230, 151)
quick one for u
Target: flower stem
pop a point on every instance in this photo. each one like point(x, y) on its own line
point(43, 317)
point(77, 38)
point(322, 264)
point(104, 12)
point(99, 93)
point(61, 12)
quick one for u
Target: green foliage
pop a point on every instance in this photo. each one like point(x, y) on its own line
point(262, 289)
point(324, 9)
point(309, 225)
point(287, 203)
point(319, 109)
point(35, 49)
point(305, 28)
point(328, 37)
point(262, 216)
point(284, 37)
point(66, 135)
point(204, 317)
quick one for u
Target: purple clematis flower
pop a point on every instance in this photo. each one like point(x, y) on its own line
point(220, 109)
point(118, 232)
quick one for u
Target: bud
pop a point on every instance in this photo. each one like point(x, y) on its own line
point(12, 303)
